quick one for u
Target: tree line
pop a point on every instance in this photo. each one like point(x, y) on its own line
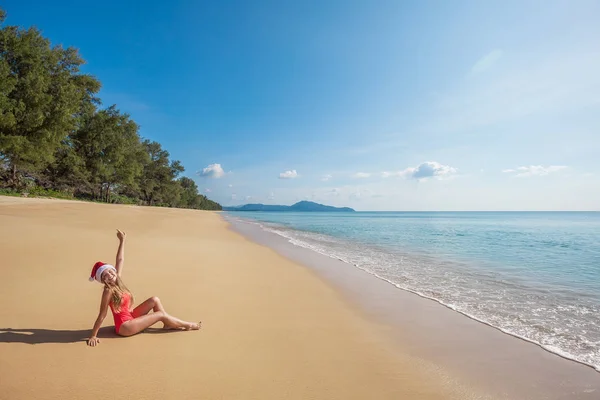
point(55, 136)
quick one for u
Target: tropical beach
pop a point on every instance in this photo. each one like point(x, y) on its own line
point(270, 327)
point(296, 200)
point(278, 320)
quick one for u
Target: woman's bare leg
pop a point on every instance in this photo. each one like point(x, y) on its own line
point(138, 324)
point(152, 304)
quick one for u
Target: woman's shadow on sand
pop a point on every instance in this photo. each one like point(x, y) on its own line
point(39, 336)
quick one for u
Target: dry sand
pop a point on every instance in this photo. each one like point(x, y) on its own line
point(272, 329)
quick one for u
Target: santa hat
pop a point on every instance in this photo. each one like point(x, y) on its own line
point(98, 269)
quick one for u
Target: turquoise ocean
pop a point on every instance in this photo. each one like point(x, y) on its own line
point(534, 275)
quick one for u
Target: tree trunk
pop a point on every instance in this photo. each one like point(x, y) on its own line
point(12, 180)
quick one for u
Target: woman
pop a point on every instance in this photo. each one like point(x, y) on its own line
point(116, 295)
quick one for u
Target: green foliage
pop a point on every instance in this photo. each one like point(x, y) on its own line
point(67, 170)
point(38, 191)
point(108, 144)
point(122, 199)
point(55, 142)
point(191, 199)
point(157, 182)
point(41, 93)
point(9, 192)
point(189, 192)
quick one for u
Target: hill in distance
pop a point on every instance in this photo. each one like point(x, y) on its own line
point(301, 206)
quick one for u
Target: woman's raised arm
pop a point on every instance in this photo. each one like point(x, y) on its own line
point(120, 252)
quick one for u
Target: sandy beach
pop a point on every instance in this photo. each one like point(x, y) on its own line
point(272, 329)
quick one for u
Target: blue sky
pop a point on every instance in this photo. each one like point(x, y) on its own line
point(377, 105)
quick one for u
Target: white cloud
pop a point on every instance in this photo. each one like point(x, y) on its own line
point(230, 185)
point(288, 174)
point(428, 169)
point(335, 192)
point(361, 175)
point(212, 171)
point(207, 190)
point(233, 196)
point(271, 196)
point(534, 170)
point(248, 197)
point(326, 177)
point(487, 61)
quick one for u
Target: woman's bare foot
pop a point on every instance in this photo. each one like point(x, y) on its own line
point(193, 326)
point(168, 327)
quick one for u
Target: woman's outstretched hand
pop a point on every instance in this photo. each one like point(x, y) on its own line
point(93, 341)
point(121, 235)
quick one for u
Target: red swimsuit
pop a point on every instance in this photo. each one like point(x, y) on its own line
point(124, 314)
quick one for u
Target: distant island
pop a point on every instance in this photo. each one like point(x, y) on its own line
point(301, 206)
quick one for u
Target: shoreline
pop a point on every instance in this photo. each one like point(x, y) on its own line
point(272, 328)
point(556, 352)
point(536, 372)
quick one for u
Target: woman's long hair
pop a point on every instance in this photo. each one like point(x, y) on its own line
point(117, 290)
